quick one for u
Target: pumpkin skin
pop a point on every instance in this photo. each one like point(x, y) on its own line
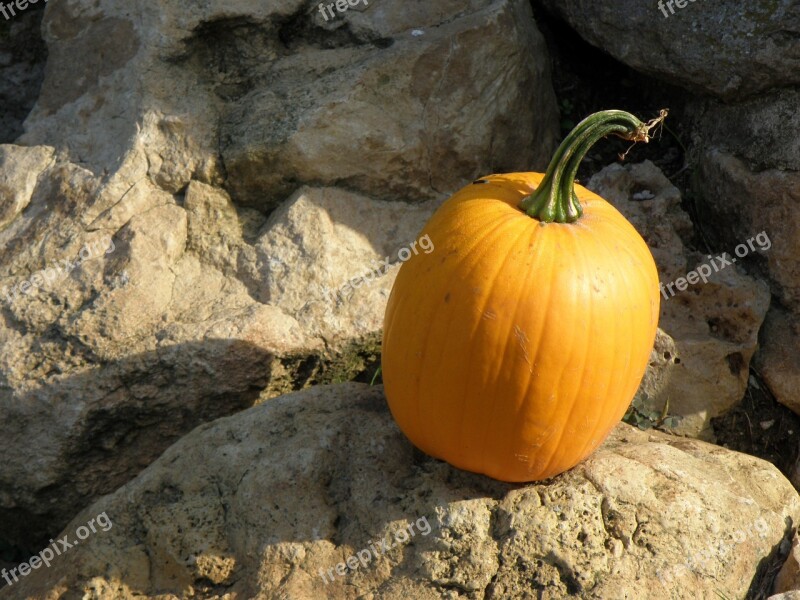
point(515, 346)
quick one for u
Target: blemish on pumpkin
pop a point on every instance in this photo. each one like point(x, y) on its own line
point(447, 297)
point(523, 343)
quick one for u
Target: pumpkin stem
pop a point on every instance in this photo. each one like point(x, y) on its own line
point(554, 200)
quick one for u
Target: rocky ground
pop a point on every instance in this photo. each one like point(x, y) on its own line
point(242, 162)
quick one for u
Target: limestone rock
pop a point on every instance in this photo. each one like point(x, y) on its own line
point(749, 182)
point(318, 233)
point(271, 502)
point(740, 202)
point(19, 169)
point(261, 99)
point(788, 578)
point(761, 131)
point(180, 314)
point(723, 48)
point(713, 326)
point(778, 361)
point(439, 81)
point(205, 145)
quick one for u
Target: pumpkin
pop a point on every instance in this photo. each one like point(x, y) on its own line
point(515, 346)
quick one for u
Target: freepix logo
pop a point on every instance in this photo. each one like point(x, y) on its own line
point(341, 6)
point(671, 4)
point(20, 4)
point(362, 558)
point(56, 548)
point(703, 271)
point(378, 269)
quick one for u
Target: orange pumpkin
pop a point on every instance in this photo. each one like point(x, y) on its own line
point(515, 346)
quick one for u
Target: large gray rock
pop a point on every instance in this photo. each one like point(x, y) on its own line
point(185, 144)
point(185, 314)
point(748, 181)
point(728, 49)
point(264, 98)
point(273, 502)
point(778, 360)
point(700, 362)
point(763, 131)
point(739, 201)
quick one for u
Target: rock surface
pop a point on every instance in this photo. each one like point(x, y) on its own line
point(701, 365)
point(186, 145)
point(740, 202)
point(264, 98)
point(727, 49)
point(267, 503)
point(778, 361)
point(788, 578)
point(185, 315)
point(22, 59)
point(748, 182)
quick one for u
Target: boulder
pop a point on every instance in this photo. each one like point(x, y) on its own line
point(726, 49)
point(778, 362)
point(20, 168)
point(787, 583)
point(22, 59)
point(182, 314)
point(318, 495)
point(741, 202)
point(700, 362)
point(748, 181)
point(263, 99)
point(238, 175)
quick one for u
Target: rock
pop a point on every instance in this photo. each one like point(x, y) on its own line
point(788, 578)
point(317, 234)
point(193, 146)
point(728, 189)
point(115, 359)
point(777, 359)
point(700, 366)
point(725, 49)
point(438, 134)
point(747, 184)
point(22, 59)
point(760, 131)
point(19, 169)
point(262, 99)
point(748, 181)
point(291, 489)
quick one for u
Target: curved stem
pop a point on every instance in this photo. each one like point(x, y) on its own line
point(554, 200)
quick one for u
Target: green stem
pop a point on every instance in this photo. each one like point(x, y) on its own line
point(554, 200)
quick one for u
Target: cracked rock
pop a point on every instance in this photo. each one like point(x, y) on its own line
point(290, 490)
